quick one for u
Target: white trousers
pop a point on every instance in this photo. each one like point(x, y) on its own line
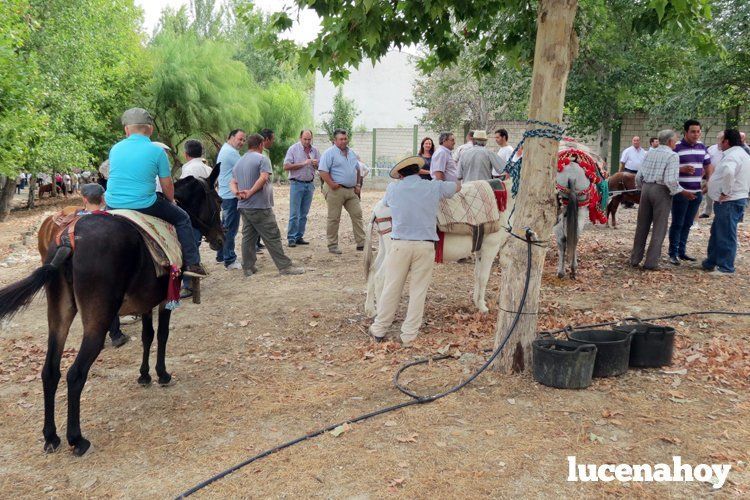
point(414, 258)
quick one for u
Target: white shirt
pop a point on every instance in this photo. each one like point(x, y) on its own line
point(732, 176)
point(716, 155)
point(504, 154)
point(196, 168)
point(633, 158)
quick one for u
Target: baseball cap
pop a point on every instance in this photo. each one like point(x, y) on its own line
point(137, 116)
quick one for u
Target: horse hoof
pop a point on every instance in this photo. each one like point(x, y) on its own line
point(51, 445)
point(83, 447)
point(144, 379)
point(165, 379)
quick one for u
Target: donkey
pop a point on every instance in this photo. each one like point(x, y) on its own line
point(571, 219)
point(109, 272)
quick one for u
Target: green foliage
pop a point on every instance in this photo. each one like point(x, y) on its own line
point(286, 110)
point(341, 116)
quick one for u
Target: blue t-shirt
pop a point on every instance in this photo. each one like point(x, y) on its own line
point(228, 157)
point(342, 167)
point(134, 163)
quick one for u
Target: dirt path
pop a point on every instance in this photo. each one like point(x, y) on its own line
point(266, 359)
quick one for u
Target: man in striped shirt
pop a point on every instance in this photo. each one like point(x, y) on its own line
point(694, 158)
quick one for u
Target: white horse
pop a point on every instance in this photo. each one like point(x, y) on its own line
point(455, 247)
point(573, 185)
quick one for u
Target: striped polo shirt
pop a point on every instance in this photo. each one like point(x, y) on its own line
point(697, 156)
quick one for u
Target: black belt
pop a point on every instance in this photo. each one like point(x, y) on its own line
point(297, 180)
point(626, 169)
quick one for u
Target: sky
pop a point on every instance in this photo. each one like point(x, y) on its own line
point(305, 27)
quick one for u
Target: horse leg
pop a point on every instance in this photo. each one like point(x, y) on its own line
point(147, 337)
point(162, 335)
point(559, 231)
point(61, 309)
point(94, 333)
point(612, 206)
point(483, 269)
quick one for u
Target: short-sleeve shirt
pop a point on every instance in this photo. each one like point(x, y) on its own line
point(228, 157)
point(246, 172)
point(478, 163)
point(697, 156)
point(442, 161)
point(414, 204)
point(195, 168)
point(341, 165)
point(297, 154)
point(134, 163)
point(633, 158)
point(504, 154)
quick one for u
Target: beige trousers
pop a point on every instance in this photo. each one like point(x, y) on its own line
point(336, 200)
point(415, 258)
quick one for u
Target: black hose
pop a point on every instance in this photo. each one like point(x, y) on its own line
point(416, 399)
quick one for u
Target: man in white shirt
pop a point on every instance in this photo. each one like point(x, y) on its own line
point(195, 165)
point(463, 147)
point(716, 154)
point(633, 156)
point(505, 151)
point(728, 187)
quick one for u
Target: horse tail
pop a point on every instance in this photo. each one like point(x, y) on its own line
point(368, 246)
point(18, 296)
point(571, 223)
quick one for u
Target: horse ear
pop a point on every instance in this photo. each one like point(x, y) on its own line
point(214, 175)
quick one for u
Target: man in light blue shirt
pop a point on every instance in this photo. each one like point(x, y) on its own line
point(134, 162)
point(229, 155)
point(339, 170)
point(414, 205)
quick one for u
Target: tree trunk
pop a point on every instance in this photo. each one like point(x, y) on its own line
point(605, 132)
point(556, 46)
point(7, 190)
point(32, 192)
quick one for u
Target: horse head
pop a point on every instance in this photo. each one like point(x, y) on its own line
point(201, 201)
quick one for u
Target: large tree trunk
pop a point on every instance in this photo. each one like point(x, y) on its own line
point(7, 190)
point(556, 46)
point(32, 192)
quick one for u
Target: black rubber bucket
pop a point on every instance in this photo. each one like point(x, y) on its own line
point(612, 350)
point(563, 364)
point(652, 345)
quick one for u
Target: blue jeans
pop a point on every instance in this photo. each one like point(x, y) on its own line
point(683, 215)
point(722, 245)
point(179, 218)
point(300, 199)
point(230, 218)
point(186, 280)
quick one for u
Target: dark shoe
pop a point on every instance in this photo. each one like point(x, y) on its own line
point(688, 258)
point(360, 248)
point(195, 271)
point(119, 339)
point(292, 244)
point(375, 337)
point(704, 216)
point(674, 261)
point(302, 242)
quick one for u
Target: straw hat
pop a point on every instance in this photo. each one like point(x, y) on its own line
point(480, 135)
point(407, 162)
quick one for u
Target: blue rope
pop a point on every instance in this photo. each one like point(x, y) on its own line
point(544, 130)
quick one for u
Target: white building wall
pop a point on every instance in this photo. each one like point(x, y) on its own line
point(382, 93)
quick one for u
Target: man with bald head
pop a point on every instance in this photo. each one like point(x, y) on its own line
point(633, 156)
point(301, 162)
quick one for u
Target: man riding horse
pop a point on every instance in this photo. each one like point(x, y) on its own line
point(134, 163)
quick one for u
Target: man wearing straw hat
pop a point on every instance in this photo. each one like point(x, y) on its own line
point(478, 163)
point(414, 204)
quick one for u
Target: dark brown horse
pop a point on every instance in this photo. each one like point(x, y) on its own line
point(109, 271)
point(47, 189)
point(621, 181)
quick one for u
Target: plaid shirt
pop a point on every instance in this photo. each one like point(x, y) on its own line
point(661, 166)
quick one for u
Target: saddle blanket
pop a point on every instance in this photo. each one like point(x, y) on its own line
point(475, 205)
point(160, 238)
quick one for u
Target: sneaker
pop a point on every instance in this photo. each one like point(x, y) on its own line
point(195, 271)
point(292, 270)
point(335, 250)
point(300, 241)
point(674, 261)
point(687, 258)
point(292, 244)
point(233, 266)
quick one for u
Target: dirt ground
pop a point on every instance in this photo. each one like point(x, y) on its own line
point(266, 359)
